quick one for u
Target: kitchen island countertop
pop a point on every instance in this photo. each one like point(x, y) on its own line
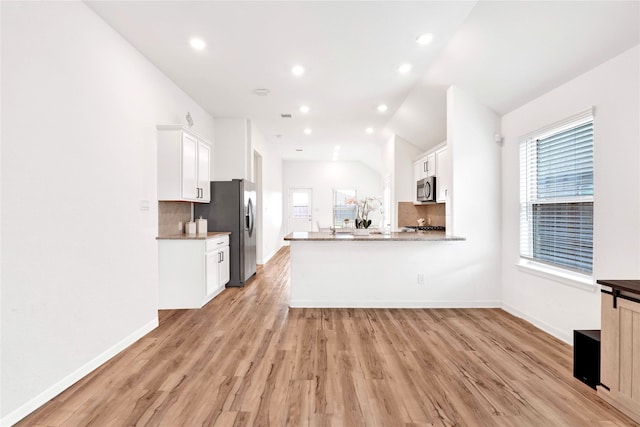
point(210, 235)
point(395, 236)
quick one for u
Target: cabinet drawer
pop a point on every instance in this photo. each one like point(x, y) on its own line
point(218, 242)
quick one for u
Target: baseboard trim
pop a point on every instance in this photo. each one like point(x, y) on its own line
point(66, 382)
point(395, 304)
point(568, 338)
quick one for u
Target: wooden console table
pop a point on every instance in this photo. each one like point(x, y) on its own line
point(620, 346)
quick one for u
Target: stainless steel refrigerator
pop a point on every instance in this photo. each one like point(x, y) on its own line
point(232, 208)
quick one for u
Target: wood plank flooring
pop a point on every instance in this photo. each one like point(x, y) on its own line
point(246, 359)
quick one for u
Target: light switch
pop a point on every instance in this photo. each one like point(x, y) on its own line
point(144, 205)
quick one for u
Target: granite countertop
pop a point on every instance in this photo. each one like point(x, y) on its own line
point(420, 236)
point(210, 235)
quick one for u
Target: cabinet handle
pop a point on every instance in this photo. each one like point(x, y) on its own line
point(222, 258)
point(424, 166)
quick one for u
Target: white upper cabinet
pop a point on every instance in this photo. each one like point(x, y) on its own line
point(424, 167)
point(435, 162)
point(443, 178)
point(184, 161)
point(204, 179)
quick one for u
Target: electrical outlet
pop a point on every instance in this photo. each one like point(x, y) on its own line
point(420, 279)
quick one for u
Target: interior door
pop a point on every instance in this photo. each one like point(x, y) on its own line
point(300, 209)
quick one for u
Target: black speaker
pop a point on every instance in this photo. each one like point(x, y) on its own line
point(586, 356)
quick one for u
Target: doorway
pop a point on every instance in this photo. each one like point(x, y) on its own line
point(300, 209)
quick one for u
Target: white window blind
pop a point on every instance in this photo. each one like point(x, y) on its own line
point(556, 195)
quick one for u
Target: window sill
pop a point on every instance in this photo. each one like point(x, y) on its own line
point(565, 277)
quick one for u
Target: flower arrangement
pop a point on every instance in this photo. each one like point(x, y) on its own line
point(363, 208)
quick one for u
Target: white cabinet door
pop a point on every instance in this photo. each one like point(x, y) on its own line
point(418, 171)
point(184, 165)
point(443, 179)
point(424, 167)
point(204, 160)
point(430, 165)
point(212, 274)
point(189, 167)
point(420, 168)
point(224, 266)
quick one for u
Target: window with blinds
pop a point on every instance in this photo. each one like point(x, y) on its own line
point(343, 207)
point(556, 195)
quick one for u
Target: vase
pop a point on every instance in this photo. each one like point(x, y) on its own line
point(360, 231)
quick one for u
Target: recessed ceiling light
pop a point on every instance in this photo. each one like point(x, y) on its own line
point(261, 92)
point(382, 108)
point(297, 70)
point(304, 109)
point(369, 130)
point(424, 39)
point(337, 148)
point(307, 131)
point(404, 68)
point(198, 44)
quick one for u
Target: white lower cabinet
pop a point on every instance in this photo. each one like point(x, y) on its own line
point(192, 271)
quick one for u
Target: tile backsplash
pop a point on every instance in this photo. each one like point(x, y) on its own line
point(170, 214)
point(408, 214)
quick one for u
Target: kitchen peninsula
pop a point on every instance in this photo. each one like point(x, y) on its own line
point(403, 270)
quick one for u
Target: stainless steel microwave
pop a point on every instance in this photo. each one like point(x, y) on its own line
point(426, 189)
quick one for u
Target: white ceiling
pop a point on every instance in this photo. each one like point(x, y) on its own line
point(505, 53)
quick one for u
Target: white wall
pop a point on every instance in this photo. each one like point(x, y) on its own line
point(232, 149)
point(475, 192)
point(273, 225)
point(79, 257)
point(613, 88)
point(323, 177)
point(397, 161)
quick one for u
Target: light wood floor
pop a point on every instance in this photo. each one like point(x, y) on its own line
point(247, 359)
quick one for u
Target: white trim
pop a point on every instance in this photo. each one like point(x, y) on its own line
point(66, 382)
point(560, 275)
point(564, 124)
point(539, 324)
point(395, 304)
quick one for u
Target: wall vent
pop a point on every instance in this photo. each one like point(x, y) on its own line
point(285, 116)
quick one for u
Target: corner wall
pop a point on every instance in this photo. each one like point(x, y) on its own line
point(79, 256)
point(474, 202)
point(613, 88)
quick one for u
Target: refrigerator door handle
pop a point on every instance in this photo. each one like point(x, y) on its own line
point(249, 218)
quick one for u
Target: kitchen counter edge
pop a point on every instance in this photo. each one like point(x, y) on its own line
point(421, 236)
point(210, 235)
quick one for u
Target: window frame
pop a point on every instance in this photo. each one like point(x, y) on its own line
point(333, 205)
point(527, 261)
